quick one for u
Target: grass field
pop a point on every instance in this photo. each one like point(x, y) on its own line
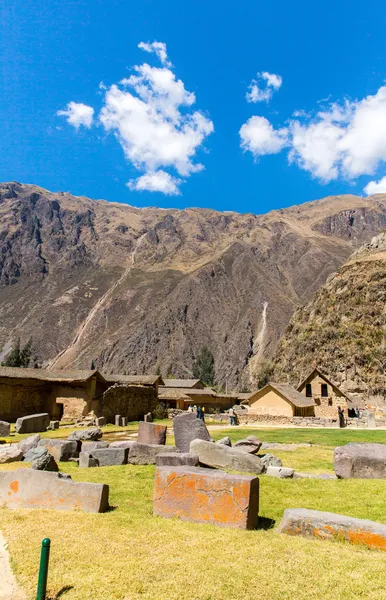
point(127, 554)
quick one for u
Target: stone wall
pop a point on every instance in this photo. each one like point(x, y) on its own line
point(20, 399)
point(132, 401)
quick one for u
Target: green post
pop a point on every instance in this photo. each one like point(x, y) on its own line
point(43, 569)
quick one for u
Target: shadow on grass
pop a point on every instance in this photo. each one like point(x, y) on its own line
point(64, 590)
point(265, 523)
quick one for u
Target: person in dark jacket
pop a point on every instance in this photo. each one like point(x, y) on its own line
point(341, 417)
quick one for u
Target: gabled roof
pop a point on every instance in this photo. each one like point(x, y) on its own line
point(183, 383)
point(133, 379)
point(323, 376)
point(188, 391)
point(172, 394)
point(76, 376)
point(288, 393)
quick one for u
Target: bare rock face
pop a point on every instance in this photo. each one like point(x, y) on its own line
point(160, 284)
point(366, 461)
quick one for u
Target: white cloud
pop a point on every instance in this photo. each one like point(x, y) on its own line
point(375, 187)
point(159, 48)
point(262, 88)
point(159, 181)
point(78, 114)
point(150, 114)
point(346, 139)
point(259, 137)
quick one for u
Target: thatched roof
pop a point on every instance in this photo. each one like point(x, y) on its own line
point(76, 376)
point(184, 383)
point(172, 394)
point(133, 379)
point(288, 393)
point(188, 391)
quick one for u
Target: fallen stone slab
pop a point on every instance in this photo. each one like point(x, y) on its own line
point(29, 443)
point(144, 454)
point(280, 472)
point(108, 457)
point(100, 421)
point(122, 444)
point(91, 434)
point(269, 460)
point(90, 446)
point(176, 459)
point(207, 496)
point(10, 454)
point(187, 428)
point(225, 441)
point(298, 475)
point(25, 488)
point(151, 433)
point(250, 444)
point(279, 446)
point(325, 525)
point(5, 429)
point(222, 457)
point(360, 460)
point(61, 450)
point(32, 423)
point(86, 460)
point(43, 460)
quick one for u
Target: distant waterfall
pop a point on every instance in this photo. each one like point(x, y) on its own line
point(258, 343)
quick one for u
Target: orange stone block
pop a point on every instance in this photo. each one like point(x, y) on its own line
point(207, 496)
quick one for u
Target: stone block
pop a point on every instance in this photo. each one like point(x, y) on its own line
point(357, 460)
point(108, 457)
point(32, 423)
point(10, 453)
point(176, 459)
point(91, 434)
point(280, 472)
point(270, 460)
point(5, 429)
point(207, 496)
point(86, 460)
point(43, 460)
point(61, 450)
point(148, 418)
point(144, 454)
point(313, 523)
point(221, 457)
point(187, 428)
point(151, 433)
point(122, 444)
point(100, 421)
point(225, 441)
point(90, 446)
point(124, 421)
point(25, 488)
point(250, 444)
point(371, 419)
point(54, 425)
point(117, 420)
point(29, 443)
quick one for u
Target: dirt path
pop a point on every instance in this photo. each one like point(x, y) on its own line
point(9, 589)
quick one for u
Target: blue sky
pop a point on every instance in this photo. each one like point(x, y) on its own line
point(321, 132)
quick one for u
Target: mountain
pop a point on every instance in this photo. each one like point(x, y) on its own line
point(135, 288)
point(343, 329)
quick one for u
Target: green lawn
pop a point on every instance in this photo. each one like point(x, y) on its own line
point(127, 554)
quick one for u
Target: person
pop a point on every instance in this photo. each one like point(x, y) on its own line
point(232, 415)
point(198, 412)
point(190, 408)
point(341, 417)
point(203, 413)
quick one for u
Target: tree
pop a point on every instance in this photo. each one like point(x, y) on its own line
point(158, 370)
point(92, 366)
point(19, 356)
point(203, 367)
point(263, 373)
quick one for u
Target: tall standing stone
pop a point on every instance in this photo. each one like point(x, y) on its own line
point(117, 420)
point(371, 419)
point(151, 433)
point(188, 428)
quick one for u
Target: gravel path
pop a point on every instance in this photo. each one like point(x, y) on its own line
point(9, 589)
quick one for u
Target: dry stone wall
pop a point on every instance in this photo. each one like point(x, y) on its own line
point(131, 401)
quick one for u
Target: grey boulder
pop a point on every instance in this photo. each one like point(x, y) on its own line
point(43, 460)
point(108, 457)
point(61, 450)
point(176, 459)
point(145, 454)
point(223, 457)
point(28, 443)
point(122, 444)
point(225, 441)
point(5, 429)
point(270, 460)
point(90, 446)
point(250, 444)
point(86, 461)
point(280, 472)
point(187, 428)
point(92, 434)
point(366, 461)
point(11, 453)
point(32, 423)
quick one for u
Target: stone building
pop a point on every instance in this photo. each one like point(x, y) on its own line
point(63, 394)
point(181, 393)
point(280, 399)
point(326, 395)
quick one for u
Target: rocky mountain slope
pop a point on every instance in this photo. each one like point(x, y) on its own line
point(135, 288)
point(343, 329)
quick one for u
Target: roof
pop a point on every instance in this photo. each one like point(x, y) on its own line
point(172, 394)
point(289, 393)
point(133, 379)
point(48, 375)
point(188, 391)
point(327, 380)
point(183, 383)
